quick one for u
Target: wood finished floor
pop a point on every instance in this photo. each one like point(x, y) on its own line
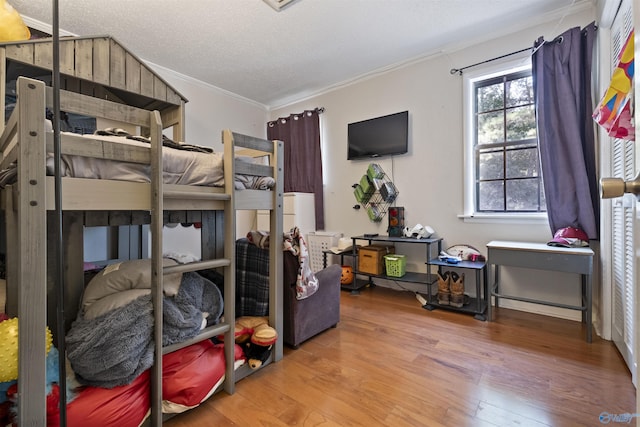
point(390, 362)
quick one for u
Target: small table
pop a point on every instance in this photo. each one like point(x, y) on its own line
point(477, 305)
point(541, 256)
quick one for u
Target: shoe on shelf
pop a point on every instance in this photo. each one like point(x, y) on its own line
point(443, 288)
point(456, 286)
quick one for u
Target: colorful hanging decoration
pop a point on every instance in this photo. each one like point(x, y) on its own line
point(614, 111)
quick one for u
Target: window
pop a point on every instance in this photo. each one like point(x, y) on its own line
point(502, 167)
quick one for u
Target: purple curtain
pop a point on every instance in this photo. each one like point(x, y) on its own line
point(302, 156)
point(562, 89)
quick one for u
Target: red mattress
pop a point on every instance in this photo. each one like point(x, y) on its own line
point(190, 375)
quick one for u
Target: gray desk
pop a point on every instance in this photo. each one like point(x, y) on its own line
point(542, 257)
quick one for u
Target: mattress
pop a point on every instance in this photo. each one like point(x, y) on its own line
point(180, 166)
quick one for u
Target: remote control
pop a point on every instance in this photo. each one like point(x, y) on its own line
point(370, 234)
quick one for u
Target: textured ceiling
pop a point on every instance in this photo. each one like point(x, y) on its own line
point(273, 58)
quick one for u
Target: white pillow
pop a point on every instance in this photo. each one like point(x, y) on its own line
point(113, 301)
point(114, 279)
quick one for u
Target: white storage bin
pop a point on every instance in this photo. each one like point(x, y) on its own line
point(319, 241)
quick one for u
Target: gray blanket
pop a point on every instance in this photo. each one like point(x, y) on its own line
point(183, 314)
point(113, 349)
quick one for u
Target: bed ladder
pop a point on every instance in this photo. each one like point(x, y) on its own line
point(158, 270)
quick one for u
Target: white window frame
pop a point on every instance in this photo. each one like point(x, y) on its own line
point(470, 214)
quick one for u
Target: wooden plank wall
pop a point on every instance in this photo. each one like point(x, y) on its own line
point(101, 60)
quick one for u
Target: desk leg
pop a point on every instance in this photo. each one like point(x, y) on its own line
point(496, 285)
point(588, 297)
point(491, 289)
point(487, 295)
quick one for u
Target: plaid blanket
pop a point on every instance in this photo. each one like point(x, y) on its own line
point(252, 271)
point(252, 279)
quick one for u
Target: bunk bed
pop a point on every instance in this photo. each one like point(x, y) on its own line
point(105, 81)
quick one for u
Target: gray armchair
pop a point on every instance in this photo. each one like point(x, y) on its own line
point(302, 319)
point(308, 317)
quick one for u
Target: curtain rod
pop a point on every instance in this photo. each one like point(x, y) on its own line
point(318, 110)
point(459, 70)
point(557, 39)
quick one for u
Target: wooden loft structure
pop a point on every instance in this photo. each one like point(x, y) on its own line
point(97, 66)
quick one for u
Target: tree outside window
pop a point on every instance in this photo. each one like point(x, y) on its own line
point(507, 167)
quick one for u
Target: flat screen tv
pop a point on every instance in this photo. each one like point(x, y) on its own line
point(377, 137)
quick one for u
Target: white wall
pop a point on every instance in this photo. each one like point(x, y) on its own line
point(430, 177)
